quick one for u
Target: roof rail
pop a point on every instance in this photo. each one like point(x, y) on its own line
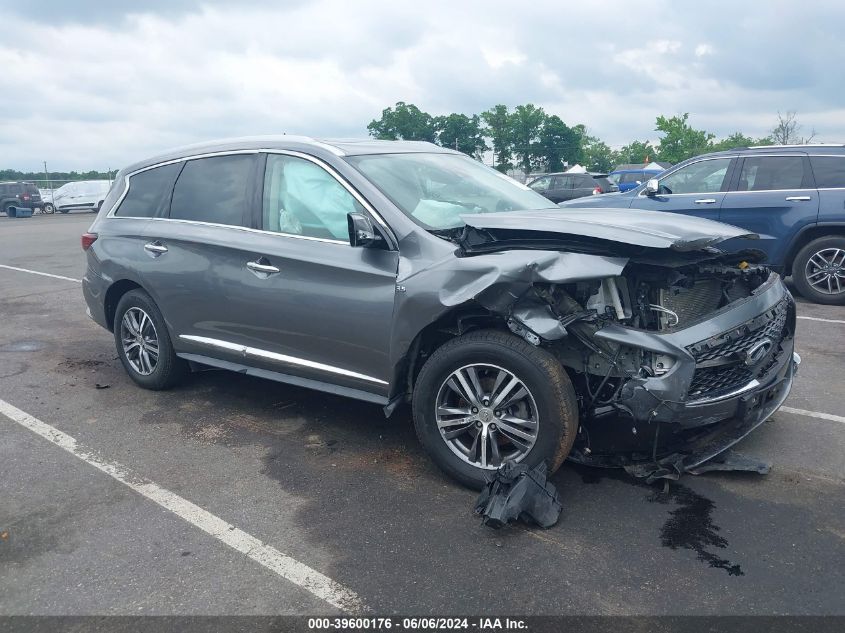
point(796, 146)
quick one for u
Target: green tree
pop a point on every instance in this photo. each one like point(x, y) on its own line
point(462, 133)
point(526, 125)
point(559, 143)
point(404, 121)
point(637, 152)
point(596, 154)
point(680, 140)
point(499, 130)
point(738, 139)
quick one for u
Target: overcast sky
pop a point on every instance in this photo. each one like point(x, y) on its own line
point(88, 84)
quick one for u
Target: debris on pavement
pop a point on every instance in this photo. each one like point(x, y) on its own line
point(515, 492)
point(101, 386)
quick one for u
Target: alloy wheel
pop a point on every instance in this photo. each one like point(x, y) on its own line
point(825, 271)
point(140, 341)
point(486, 415)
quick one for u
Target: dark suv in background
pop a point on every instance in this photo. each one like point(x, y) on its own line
point(568, 186)
point(793, 196)
point(19, 194)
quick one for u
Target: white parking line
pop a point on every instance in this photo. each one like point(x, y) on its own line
point(36, 272)
point(822, 320)
point(298, 573)
point(814, 414)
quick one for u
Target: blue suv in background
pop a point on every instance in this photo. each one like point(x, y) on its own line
point(627, 179)
point(793, 196)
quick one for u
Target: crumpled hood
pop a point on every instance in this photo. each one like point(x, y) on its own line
point(653, 229)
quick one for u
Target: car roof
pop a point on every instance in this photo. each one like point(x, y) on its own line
point(781, 149)
point(630, 171)
point(338, 147)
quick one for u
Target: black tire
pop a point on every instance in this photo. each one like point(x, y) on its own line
point(169, 368)
point(49, 208)
point(800, 266)
point(64, 210)
point(539, 371)
point(99, 206)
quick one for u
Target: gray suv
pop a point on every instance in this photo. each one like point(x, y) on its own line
point(401, 272)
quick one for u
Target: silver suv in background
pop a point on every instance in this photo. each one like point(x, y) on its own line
point(401, 272)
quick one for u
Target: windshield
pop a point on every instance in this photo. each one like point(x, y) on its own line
point(436, 189)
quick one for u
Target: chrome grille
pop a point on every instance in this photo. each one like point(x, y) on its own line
point(720, 360)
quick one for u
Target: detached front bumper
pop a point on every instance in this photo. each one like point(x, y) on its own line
point(677, 422)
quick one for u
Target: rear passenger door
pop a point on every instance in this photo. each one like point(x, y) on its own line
point(560, 189)
point(774, 196)
point(194, 254)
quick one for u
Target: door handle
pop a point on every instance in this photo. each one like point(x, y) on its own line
point(262, 269)
point(155, 248)
point(705, 201)
point(798, 198)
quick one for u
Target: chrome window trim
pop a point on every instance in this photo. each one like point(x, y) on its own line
point(771, 190)
point(245, 228)
point(830, 188)
point(247, 351)
point(332, 172)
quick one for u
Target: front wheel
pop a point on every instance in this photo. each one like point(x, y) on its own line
point(143, 343)
point(819, 270)
point(48, 208)
point(488, 397)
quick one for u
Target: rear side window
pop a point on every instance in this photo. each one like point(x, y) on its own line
point(148, 192)
point(214, 190)
point(14, 189)
point(4, 189)
point(829, 171)
point(767, 173)
point(635, 176)
point(562, 182)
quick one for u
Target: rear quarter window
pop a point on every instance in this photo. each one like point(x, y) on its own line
point(149, 192)
point(829, 171)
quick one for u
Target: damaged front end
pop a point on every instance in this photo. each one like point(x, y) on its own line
point(676, 351)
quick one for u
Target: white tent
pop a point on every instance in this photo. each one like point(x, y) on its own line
point(576, 169)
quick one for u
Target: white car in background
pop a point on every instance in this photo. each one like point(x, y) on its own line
point(85, 194)
point(47, 200)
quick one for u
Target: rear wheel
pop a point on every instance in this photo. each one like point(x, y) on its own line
point(143, 343)
point(819, 270)
point(488, 397)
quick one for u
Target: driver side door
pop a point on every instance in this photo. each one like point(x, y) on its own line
point(695, 189)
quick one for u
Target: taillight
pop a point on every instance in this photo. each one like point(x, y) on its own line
point(596, 191)
point(87, 240)
point(25, 196)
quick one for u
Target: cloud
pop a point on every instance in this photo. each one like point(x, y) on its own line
point(108, 83)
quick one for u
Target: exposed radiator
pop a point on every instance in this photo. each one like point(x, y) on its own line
point(690, 304)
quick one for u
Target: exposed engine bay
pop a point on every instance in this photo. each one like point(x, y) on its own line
point(675, 349)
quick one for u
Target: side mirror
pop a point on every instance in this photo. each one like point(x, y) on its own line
point(361, 231)
point(652, 187)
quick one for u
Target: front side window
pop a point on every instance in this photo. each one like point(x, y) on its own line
point(214, 190)
point(302, 198)
point(767, 173)
point(829, 171)
point(436, 189)
point(706, 176)
point(634, 176)
point(148, 192)
point(541, 184)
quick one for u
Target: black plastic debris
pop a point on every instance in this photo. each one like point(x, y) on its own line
point(673, 466)
point(515, 492)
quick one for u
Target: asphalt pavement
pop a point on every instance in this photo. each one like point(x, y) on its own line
point(329, 486)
